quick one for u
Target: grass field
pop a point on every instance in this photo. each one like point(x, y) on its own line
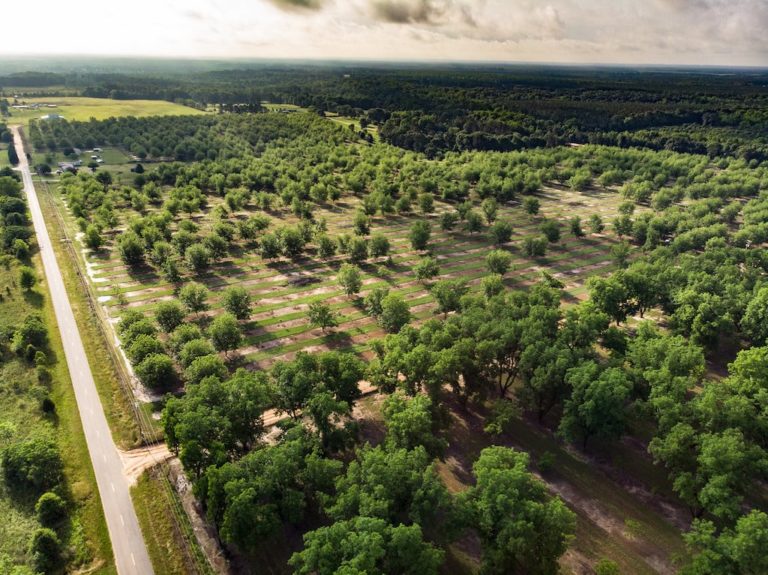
point(20, 415)
point(83, 109)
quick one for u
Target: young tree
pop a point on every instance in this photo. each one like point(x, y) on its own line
point(193, 296)
point(169, 315)
point(426, 203)
point(620, 253)
point(373, 301)
point(92, 238)
point(349, 279)
point(321, 315)
point(361, 224)
point(576, 228)
point(622, 225)
point(463, 209)
point(596, 224)
point(551, 230)
point(535, 247)
point(131, 249)
point(326, 247)
point(395, 313)
point(521, 528)
point(498, 262)
point(292, 242)
point(473, 223)
point(448, 221)
point(379, 246)
point(597, 406)
point(426, 269)
point(270, 246)
point(197, 258)
point(225, 333)
point(490, 209)
point(501, 232)
point(237, 301)
point(531, 206)
point(492, 285)
point(448, 294)
point(358, 249)
point(419, 235)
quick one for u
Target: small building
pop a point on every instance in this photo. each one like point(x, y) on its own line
point(52, 117)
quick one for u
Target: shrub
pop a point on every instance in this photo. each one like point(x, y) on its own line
point(45, 549)
point(50, 509)
point(34, 464)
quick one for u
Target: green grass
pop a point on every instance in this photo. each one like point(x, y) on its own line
point(157, 525)
point(611, 522)
point(116, 406)
point(20, 396)
point(83, 109)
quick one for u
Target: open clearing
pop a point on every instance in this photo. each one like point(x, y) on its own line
point(83, 109)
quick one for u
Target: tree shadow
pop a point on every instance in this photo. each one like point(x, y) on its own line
point(34, 298)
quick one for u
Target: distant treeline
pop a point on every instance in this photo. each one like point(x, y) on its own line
point(441, 109)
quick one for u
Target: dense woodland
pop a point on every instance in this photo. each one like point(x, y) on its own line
point(670, 350)
point(455, 108)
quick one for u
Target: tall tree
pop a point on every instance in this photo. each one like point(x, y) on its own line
point(521, 528)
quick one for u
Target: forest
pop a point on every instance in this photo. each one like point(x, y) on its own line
point(454, 107)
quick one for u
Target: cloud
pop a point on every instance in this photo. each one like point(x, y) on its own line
point(429, 12)
point(298, 4)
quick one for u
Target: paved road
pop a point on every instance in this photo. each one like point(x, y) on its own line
point(131, 555)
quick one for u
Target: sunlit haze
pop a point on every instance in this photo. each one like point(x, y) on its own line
point(704, 32)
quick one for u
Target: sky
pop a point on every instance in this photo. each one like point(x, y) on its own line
point(698, 32)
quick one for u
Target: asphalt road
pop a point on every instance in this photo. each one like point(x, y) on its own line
point(130, 552)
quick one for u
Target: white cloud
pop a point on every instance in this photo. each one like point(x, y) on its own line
point(651, 31)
